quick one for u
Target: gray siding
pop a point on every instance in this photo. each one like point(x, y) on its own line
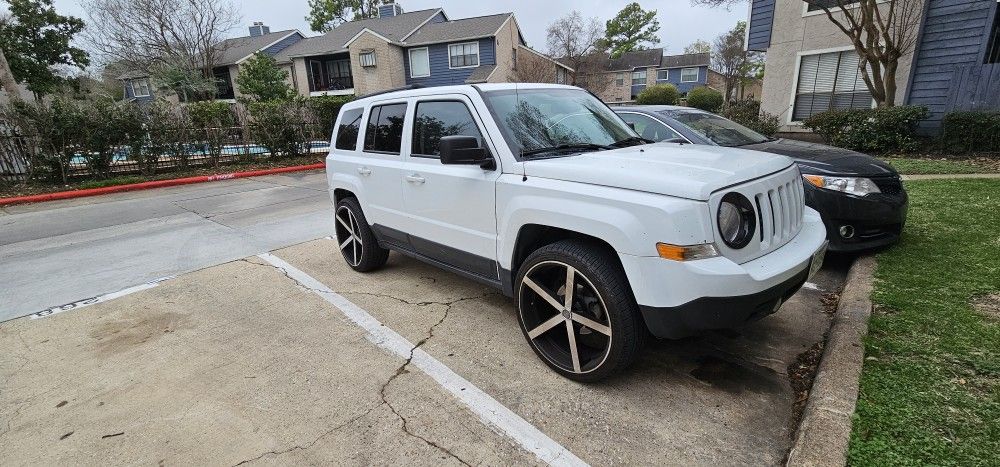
point(282, 44)
point(441, 74)
point(948, 71)
point(761, 20)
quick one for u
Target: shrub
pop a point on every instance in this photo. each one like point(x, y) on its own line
point(261, 80)
point(325, 110)
point(879, 131)
point(212, 120)
point(705, 98)
point(977, 131)
point(747, 113)
point(278, 126)
point(110, 128)
point(659, 94)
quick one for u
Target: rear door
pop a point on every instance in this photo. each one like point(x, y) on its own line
point(378, 166)
point(452, 207)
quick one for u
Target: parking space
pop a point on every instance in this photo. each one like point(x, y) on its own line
point(246, 362)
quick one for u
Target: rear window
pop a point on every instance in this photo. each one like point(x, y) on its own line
point(347, 132)
point(385, 128)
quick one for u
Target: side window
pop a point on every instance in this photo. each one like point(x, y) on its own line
point(650, 128)
point(385, 128)
point(347, 132)
point(435, 120)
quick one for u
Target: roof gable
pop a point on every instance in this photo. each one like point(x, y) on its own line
point(460, 29)
point(393, 29)
point(232, 51)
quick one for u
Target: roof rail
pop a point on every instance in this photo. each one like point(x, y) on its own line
point(387, 91)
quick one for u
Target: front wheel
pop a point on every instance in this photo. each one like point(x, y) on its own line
point(577, 310)
point(356, 239)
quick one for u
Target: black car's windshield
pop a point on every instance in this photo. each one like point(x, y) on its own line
point(553, 121)
point(721, 131)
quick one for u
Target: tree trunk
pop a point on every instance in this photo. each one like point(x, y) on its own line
point(7, 82)
point(889, 81)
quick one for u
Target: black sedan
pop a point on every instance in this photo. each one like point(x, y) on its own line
point(861, 199)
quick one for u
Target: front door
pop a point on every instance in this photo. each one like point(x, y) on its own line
point(452, 207)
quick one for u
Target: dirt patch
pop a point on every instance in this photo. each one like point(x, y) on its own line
point(121, 335)
point(801, 374)
point(987, 305)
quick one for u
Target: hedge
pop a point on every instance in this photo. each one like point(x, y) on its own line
point(659, 94)
point(747, 113)
point(977, 131)
point(705, 98)
point(878, 131)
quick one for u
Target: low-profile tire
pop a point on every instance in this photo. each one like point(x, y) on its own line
point(601, 332)
point(356, 239)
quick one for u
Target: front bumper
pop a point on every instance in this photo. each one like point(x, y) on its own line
point(678, 299)
point(875, 220)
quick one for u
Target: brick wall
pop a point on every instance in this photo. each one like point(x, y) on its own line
point(388, 72)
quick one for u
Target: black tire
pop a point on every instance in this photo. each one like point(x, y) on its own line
point(361, 250)
point(619, 329)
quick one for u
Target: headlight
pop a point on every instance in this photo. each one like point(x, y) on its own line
point(852, 185)
point(737, 220)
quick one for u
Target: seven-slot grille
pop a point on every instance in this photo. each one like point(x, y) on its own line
point(779, 213)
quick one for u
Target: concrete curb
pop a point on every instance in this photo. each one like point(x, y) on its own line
point(823, 435)
point(155, 184)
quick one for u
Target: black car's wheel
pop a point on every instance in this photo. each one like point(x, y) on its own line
point(356, 240)
point(577, 310)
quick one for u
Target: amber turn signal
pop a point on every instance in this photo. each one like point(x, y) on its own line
point(686, 252)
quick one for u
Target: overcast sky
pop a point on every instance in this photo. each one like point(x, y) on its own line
point(680, 22)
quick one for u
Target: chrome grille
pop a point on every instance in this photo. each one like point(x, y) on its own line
point(780, 210)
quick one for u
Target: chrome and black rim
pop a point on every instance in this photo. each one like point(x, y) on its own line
point(349, 236)
point(565, 317)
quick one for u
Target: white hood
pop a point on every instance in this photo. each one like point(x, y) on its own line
point(685, 171)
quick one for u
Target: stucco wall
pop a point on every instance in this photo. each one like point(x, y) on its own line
point(301, 76)
point(388, 72)
point(792, 34)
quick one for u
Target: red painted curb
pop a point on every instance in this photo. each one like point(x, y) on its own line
point(155, 184)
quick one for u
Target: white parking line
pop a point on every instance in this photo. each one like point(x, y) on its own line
point(811, 286)
point(490, 411)
point(98, 299)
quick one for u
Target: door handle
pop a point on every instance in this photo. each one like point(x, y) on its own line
point(364, 171)
point(415, 179)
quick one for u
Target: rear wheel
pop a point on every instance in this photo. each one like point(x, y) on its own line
point(356, 240)
point(577, 311)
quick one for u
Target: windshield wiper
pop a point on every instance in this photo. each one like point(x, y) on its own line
point(631, 141)
point(566, 147)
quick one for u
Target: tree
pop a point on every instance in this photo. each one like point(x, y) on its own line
point(35, 39)
point(577, 42)
point(143, 34)
point(189, 84)
point(632, 29)
point(261, 80)
point(731, 59)
point(881, 32)
point(698, 47)
point(324, 15)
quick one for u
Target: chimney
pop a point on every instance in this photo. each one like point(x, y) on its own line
point(389, 10)
point(259, 29)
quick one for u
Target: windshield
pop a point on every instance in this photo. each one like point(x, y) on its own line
point(551, 120)
point(721, 131)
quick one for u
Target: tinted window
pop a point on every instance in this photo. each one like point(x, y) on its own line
point(650, 128)
point(437, 119)
point(721, 131)
point(347, 132)
point(385, 128)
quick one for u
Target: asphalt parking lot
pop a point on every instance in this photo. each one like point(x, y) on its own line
point(249, 362)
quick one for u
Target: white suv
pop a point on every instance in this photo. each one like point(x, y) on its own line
point(544, 193)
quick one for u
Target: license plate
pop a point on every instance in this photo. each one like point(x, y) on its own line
point(817, 260)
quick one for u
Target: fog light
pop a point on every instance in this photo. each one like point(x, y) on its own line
point(847, 231)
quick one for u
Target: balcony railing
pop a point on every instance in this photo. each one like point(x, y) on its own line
point(333, 84)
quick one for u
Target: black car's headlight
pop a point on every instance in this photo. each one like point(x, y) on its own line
point(858, 186)
point(737, 220)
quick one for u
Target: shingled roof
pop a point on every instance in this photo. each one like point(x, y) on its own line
point(678, 61)
point(236, 49)
point(460, 29)
point(636, 59)
point(394, 28)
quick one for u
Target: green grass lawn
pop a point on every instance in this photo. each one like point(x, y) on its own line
point(930, 389)
point(908, 166)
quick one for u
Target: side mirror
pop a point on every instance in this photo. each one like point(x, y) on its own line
point(464, 150)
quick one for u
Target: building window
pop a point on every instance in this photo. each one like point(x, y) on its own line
point(638, 78)
point(435, 120)
point(463, 55)
point(330, 75)
point(689, 75)
point(560, 75)
point(367, 58)
point(662, 75)
point(620, 79)
point(140, 88)
point(385, 129)
point(993, 49)
point(347, 131)
point(829, 81)
point(817, 5)
point(420, 66)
